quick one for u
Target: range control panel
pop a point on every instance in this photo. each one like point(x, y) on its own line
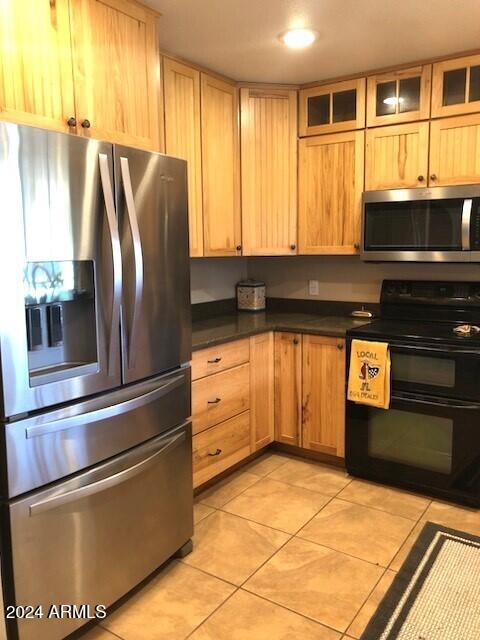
point(428, 292)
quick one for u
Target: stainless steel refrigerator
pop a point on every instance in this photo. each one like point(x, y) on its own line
point(95, 340)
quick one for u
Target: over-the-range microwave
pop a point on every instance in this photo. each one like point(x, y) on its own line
point(441, 224)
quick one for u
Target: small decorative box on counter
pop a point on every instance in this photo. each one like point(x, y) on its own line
point(251, 295)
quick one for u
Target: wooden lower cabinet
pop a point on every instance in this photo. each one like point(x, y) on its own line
point(288, 387)
point(323, 394)
point(262, 390)
point(220, 447)
point(219, 358)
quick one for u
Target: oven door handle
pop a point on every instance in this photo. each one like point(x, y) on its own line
point(434, 403)
point(445, 350)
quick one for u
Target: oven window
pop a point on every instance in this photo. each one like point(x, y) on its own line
point(417, 226)
point(414, 439)
point(435, 372)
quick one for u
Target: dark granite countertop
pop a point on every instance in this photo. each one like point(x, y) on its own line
point(211, 331)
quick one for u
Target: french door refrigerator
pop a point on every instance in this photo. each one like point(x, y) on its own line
point(95, 340)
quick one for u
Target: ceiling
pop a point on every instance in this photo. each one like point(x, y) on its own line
point(239, 38)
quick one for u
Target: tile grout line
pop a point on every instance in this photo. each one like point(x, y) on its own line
point(367, 506)
point(212, 613)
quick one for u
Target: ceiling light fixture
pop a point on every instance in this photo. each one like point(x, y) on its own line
point(298, 38)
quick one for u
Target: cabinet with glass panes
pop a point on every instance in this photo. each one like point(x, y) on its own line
point(339, 106)
point(399, 96)
point(456, 86)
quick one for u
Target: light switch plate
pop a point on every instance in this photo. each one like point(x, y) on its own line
point(313, 288)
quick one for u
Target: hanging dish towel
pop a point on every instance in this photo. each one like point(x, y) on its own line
point(369, 377)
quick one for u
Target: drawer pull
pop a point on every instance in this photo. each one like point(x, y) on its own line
point(217, 453)
point(216, 401)
point(214, 361)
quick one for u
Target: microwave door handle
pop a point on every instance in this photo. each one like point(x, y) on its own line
point(466, 217)
point(116, 257)
point(137, 258)
point(107, 483)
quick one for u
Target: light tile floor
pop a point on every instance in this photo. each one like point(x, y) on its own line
point(283, 549)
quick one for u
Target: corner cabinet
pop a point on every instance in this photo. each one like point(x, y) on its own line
point(331, 172)
point(222, 231)
point(268, 120)
point(262, 390)
point(181, 89)
point(288, 388)
point(36, 81)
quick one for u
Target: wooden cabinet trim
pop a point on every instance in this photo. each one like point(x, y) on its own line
point(438, 109)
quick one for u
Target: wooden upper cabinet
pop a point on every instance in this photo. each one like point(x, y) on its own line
point(36, 82)
point(181, 87)
point(339, 106)
point(399, 96)
point(116, 71)
point(269, 171)
point(220, 168)
point(330, 193)
point(323, 410)
point(397, 157)
point(261, 390)
point(455, 151)
point(456, 86)
point(288, 388)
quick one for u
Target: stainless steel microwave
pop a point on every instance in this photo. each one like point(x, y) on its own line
point(441, 224)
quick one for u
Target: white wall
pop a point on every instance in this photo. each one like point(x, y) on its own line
point(215, 278)
point(345, 277)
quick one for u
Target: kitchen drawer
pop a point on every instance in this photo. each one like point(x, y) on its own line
point(219, 397)
point(220, 447)
point(216, 359)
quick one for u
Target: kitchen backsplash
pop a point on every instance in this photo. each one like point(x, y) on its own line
point(340, 278)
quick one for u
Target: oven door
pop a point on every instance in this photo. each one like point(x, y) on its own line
point(421, 442)
point(448, 372)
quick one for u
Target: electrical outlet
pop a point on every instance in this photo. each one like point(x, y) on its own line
point(313, 288)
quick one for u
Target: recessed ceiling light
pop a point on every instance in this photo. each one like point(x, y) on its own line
point(393, 100)
point(298, 38)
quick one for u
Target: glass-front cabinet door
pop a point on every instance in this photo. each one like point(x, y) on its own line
point(399, 96)
point(332, 107)
point(456, 86)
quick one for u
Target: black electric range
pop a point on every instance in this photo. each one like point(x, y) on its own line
point(429, 438)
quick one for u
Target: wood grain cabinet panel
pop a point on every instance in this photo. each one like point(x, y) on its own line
point(269, 171)
point(323, 402)
point(181, 86)
point(219, 397)
point(288, 387)
point(220, 168)
point(116, 71)
point(220, 357)
point(330, 193)
point(456, 86)
point(220, 447)
point(36, 81)
point(455, 151)
point(262, 390)
point(397, 157)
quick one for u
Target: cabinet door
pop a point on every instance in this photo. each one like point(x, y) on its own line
point(456, 86)
point(339, 106)
point(330, 193)
point(269, 171)
point(182, 138)
point(36, 82)
point(455, 151)
point(116, 71)
point(220, 168)
point(323, 411)
point(288, 387)
point(399, 96)
point(397, 157)
point(262, 390)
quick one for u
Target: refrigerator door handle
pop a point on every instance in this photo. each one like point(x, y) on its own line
point(116, 257)
point(110, 411)
point(109, 482)
point(137, 257)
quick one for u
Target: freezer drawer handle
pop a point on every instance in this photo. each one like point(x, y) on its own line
point(107, 483)
point(137, 258)
point(63, 424)
point(116, 257)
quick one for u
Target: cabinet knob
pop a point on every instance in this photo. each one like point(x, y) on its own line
point(340, 346)
point(293, 247)
point(421, 178)
point(72, 121)
point(217, 452)
point(238, 247)
point(295, 341)
point(86, 124)
point(433, 176)
point(356, 245)
point(216, 401)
